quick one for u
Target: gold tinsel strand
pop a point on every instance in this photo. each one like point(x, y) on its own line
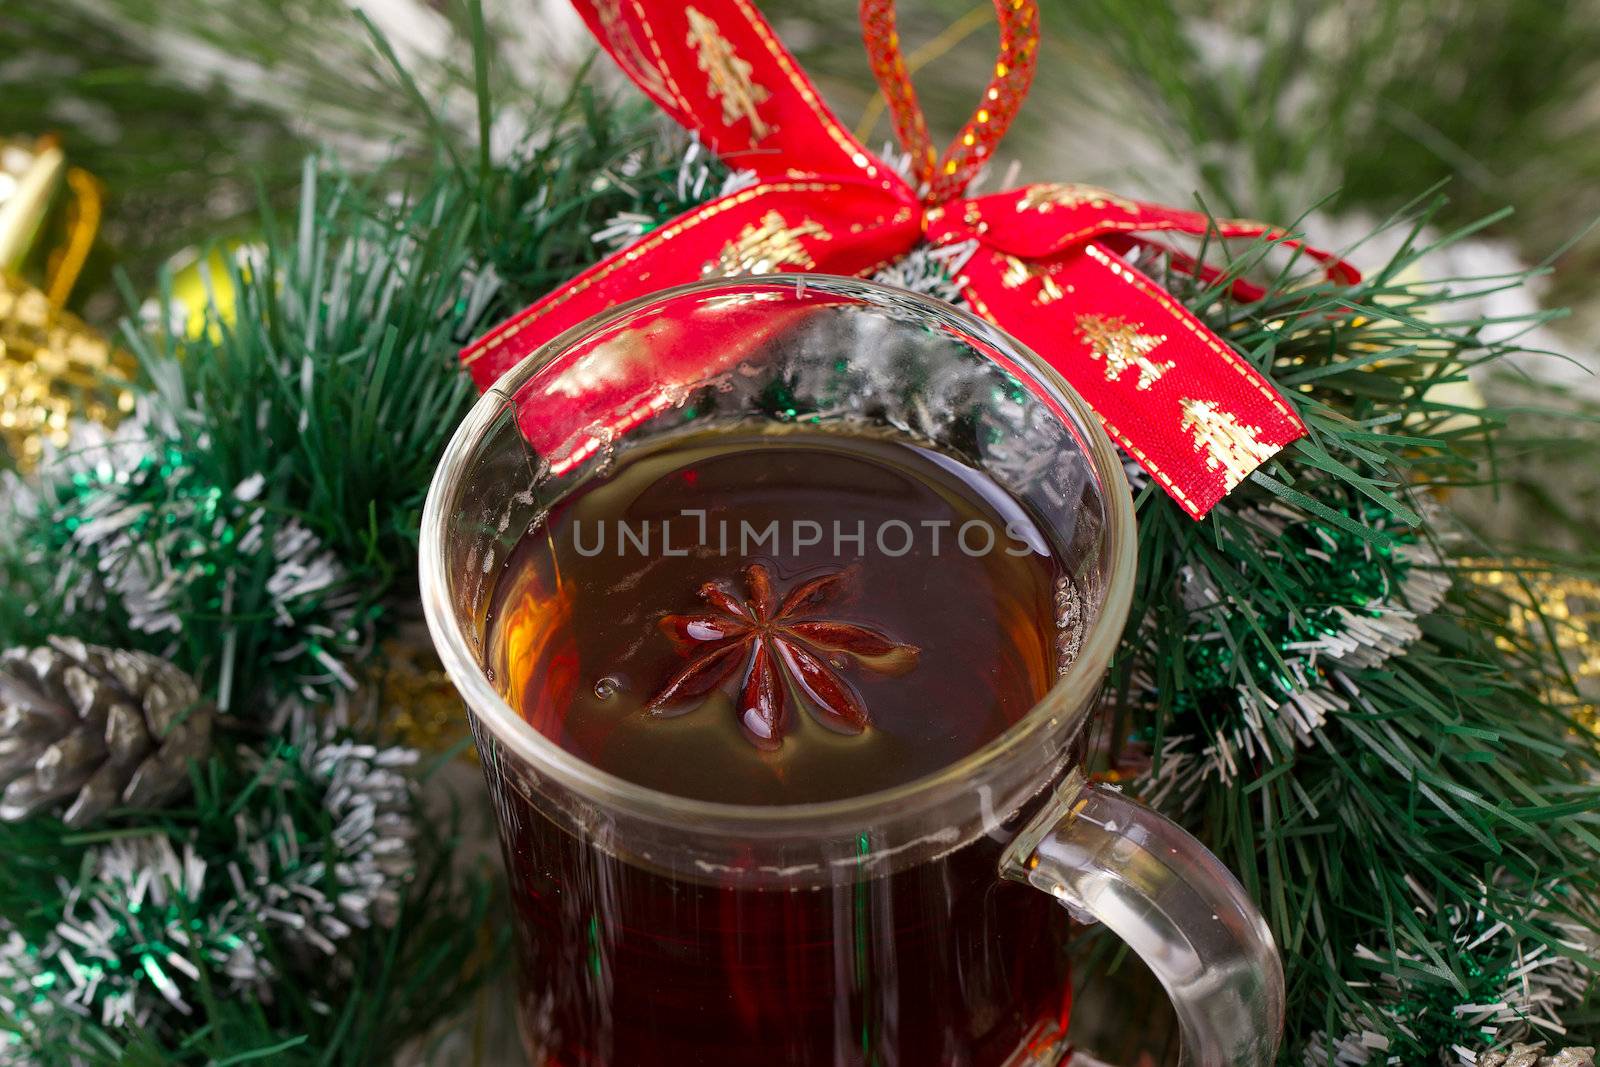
point(53, 369)
point(1559, 607)
point(421, 704)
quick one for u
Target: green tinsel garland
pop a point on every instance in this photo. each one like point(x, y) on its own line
point(256, 524)
point(1356, 605)
point(286, 853)
point(1344, 716)
point(141, 546)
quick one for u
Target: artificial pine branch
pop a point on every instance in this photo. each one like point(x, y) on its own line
point(71, 73)
point(253, 921)
point(318, 402)
point(1353, 108)
point(1433, 833)
point(331, 384)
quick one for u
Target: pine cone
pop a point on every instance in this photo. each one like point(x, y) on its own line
point(1533, 1056)
point(99, 725)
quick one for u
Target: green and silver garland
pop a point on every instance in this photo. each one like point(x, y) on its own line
point(1257, 687)
point(303, 844)
point(317, 892)
point(1520, 978)
point(133, 534)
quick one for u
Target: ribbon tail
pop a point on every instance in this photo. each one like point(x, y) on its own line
point(1177, 398)
point(1047, 220)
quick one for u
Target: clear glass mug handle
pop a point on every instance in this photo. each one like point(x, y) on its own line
point(1113, 861)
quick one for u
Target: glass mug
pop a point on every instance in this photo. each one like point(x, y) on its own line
point(910, 926)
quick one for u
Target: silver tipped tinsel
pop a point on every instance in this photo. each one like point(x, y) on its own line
point(131, 940)
point(1293, 706)
point(1523, 984)
point(24, 1005)
point(696, 183)
point(284, 874)
point(931, 271)
point(148, 537)
point(149, 912)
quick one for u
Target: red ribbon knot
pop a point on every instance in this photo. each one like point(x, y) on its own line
point(1049, 263)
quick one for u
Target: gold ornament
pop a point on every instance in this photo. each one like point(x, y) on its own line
point(53, 368)
point(1229, 445)
point(1521, 1055)
point(764, 247)
point(1121, 346)
point(1561, 608)
point(728, 76)
point(30, 175)
point(33, 175)
point(419, 701)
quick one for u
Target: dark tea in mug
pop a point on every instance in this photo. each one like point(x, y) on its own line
point(764, 614)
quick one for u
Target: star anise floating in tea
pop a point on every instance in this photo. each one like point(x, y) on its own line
point(776, 645)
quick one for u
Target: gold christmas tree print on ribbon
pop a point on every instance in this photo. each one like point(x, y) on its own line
point(1118, 342)
point(729, 77)
point(767, 246)
point(1019, 273)
point(1228, 445)
point(1047, 195)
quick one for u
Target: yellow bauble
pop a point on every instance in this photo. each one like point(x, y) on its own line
point(202, 290)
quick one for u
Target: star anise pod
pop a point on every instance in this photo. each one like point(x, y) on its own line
point(778, 646)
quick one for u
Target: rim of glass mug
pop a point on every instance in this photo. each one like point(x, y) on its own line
point(1072, 694)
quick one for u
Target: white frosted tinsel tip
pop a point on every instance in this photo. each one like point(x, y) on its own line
point(1524, 986)
point(27, 1011)
point(368, 801)
point(696, 182)
point(150, 536)
point(133, 941)
point(1287, 708)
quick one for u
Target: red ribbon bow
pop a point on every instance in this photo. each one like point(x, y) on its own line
point(1045, 262)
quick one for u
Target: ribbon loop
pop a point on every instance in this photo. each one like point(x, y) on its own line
point(942, 178)
point(717, 68)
